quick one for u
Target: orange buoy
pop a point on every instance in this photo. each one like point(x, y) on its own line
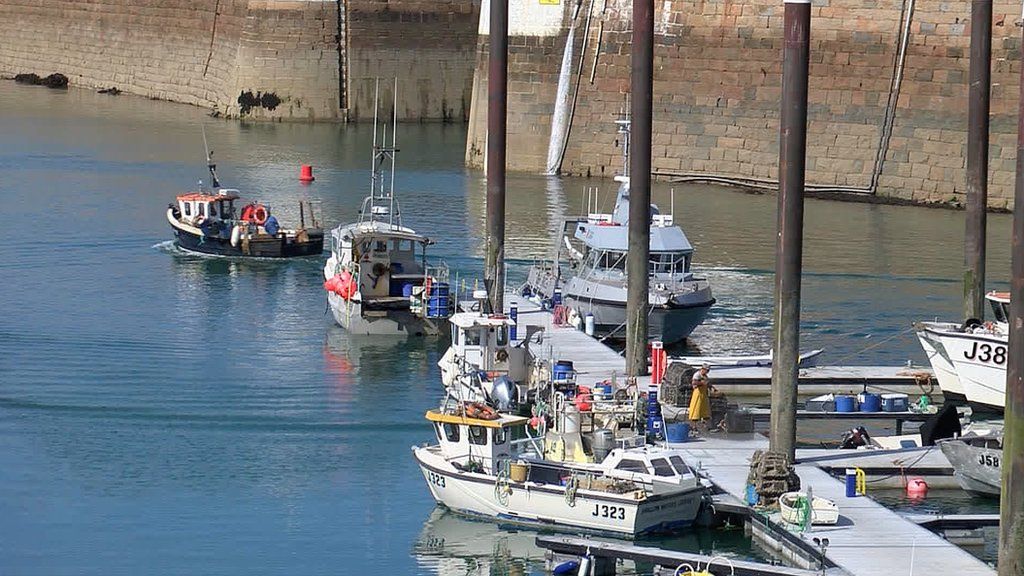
point(917, 488)
point(306, 173)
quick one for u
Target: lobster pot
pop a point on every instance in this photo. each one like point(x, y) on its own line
point(438, 301)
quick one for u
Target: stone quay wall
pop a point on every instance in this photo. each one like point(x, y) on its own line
point(717, 89)
point(264, 59)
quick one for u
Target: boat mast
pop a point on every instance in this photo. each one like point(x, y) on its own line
point(380, 195)
point(214, 182)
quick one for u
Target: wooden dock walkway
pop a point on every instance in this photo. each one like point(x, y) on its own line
point(869, 540)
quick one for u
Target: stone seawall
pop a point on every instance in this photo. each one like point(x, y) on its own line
point(266, 59)
point(717, 89)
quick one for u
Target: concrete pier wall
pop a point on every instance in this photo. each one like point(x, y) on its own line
point(717, 89)
point(266, 59)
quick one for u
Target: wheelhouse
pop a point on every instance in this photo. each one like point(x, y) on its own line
point(198, 207)
point(472, 442)
point(482, 341)
point(648, 464)
point(1000, 302)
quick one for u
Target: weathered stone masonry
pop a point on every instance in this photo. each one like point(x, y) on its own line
point(315, 57)
point(717, 88)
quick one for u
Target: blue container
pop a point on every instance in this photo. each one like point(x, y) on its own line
point(562, 370)
point(655, 427)
point(679, 432)
point(604, 391)
point(437, 303)
point(851, 482)
point(407, 289)
point(752, 498)
point(871, 403)
point(513, 315)
point(556, 298)
point(894, 402)
point(846, 404)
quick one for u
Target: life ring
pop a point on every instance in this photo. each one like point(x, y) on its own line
point(260, 214)
point(501, 355)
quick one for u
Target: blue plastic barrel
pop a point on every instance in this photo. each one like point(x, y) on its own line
point(563, 370)
point(678, 432)
point(437, 302)
point(871, 403)
point(407, 289)
point(846, 404)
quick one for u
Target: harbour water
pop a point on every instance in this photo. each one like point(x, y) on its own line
point(165, 413)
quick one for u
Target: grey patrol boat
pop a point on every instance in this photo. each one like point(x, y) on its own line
point(588, 272)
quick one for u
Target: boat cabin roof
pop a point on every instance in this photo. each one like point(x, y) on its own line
point(207, 197)
point(612, 236)
point(503, 420)
point(378, 229)
point(995, 296)
point(466, 320)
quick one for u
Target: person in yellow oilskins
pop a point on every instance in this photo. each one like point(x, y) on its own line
point(700, 401)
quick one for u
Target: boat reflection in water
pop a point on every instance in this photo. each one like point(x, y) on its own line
point(450, 544)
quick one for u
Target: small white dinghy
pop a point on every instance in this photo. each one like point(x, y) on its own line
point(823, 511)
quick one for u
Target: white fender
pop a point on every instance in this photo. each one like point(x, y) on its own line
point(236, 235)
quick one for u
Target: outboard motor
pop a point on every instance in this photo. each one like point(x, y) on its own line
point(855, 438)
point(502, 393)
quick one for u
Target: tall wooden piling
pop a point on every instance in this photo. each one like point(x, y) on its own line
point(638, 286)
point(497, 108)
point(979, 90)
point(789, 242)
point(1011, 502)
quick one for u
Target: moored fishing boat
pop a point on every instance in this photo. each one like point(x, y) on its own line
point(495, 468)
point(210, 222)
point(977, 352)
point(975, 457)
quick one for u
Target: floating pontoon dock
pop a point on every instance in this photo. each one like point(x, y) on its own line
point(869, 540)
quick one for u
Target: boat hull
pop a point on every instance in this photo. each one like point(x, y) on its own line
point(976, 468)
point(945, 372)
point(351, 316)
point(546, 505)
point(980, 364)
point(261, 246)
point(668, 324)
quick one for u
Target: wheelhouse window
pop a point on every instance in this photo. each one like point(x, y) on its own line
point(668, 262)
point(478, 435)
point(499, 436)
point(631, 465)
point(662, 468)
point(213, 209)
point(202, 209)
point(612, 260)
point(451, 432)
point(502, 336)
point(471, 338)
point(188, 208)
point(679, 465)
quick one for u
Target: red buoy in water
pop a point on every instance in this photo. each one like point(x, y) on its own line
point(306, 173)
point(917, 488)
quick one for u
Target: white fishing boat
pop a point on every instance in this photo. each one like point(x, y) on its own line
point(792, 509)
point(489, 465)
point(588, 272)
point(977, 351)
point(975, 457)
point(945, 372)
point(809, 358)
point(377, 278)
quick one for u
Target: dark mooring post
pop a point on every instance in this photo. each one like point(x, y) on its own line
point(789, 243)
point(638, 286)
point(497, 106)
point(977, 158)
point(1011, 502)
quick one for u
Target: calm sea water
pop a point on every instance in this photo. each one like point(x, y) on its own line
point(169, 414)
